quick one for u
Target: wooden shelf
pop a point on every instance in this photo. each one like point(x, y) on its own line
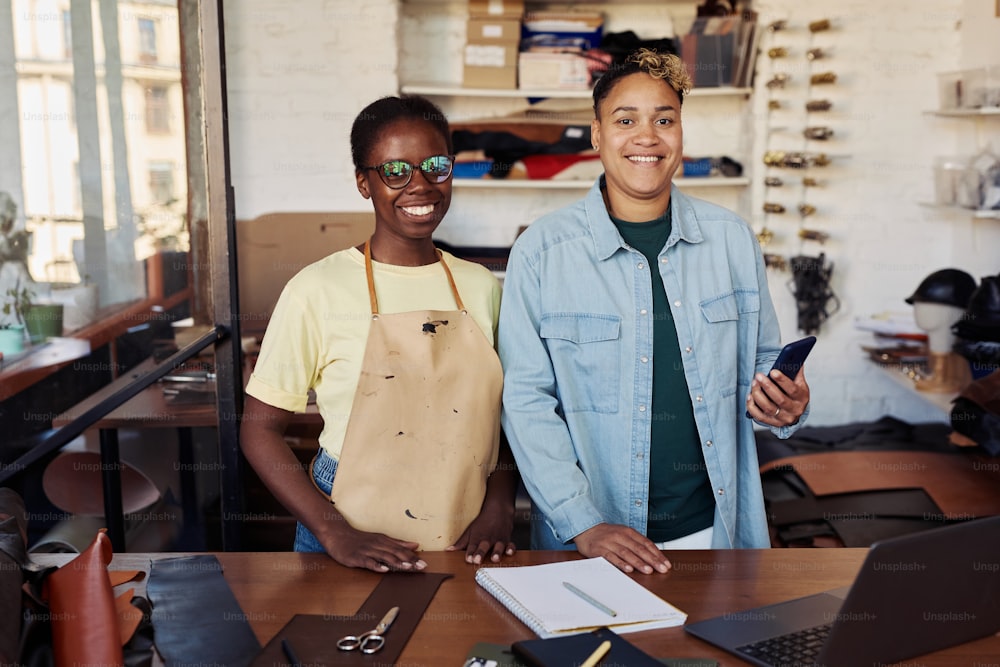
point(458, 91)
point(966, 113)
point(538, 184)
point(980, 214)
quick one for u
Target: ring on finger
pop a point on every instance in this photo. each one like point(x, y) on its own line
point(776, 411)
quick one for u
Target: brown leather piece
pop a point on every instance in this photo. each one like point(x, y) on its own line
point(985, 392)
point(118, 577)
point(85, 628)
point(963, 486)
point(314, 637)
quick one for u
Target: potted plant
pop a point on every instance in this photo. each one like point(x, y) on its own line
point(12, 329)
point(41, 320)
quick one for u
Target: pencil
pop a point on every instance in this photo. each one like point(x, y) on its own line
point(596, 656)
point(597, 603)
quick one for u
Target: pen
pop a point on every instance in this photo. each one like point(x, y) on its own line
point(576, 591)
point(596, 656)
point(286, 646)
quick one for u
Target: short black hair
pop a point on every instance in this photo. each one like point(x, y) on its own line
point(386, 110)
point(666, 66)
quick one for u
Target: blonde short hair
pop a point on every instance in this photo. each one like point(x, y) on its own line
point(665, 66)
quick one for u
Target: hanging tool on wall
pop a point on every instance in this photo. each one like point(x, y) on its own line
point(810, 285)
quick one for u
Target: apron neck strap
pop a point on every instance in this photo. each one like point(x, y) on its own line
point(370, 275)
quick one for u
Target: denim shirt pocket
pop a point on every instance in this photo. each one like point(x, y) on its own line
point(732, 319)
point(584, 350)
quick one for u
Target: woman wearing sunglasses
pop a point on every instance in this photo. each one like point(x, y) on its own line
point(396, 339)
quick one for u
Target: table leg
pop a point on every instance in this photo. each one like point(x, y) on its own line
point(192, 538)
point(111, 475)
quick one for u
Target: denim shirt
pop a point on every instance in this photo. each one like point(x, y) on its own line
point(576, 339)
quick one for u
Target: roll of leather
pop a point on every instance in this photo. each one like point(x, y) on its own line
point(85, 627)
point(196, 618)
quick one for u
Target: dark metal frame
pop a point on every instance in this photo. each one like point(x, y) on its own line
point(53, 440)
point(223, 293)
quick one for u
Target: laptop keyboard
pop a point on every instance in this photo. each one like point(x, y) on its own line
point(797, 649)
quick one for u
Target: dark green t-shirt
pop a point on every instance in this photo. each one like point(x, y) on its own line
point(680, 495)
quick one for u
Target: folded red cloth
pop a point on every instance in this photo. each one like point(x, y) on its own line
point(547, 166)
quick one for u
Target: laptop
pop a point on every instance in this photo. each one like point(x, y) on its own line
point(915, 594)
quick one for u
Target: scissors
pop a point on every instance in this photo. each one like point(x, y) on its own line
point(371, 641)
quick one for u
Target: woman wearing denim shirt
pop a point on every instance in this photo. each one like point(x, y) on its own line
point(626, 390)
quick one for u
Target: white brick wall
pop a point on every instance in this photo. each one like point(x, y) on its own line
point(297, 77)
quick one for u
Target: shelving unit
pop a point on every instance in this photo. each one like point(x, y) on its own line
point(528, 184)
point(490, 212)
point(988, 113)
point(438, 89)
point(978, 215)
point(965, 113)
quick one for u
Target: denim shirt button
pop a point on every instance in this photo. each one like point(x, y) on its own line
point(708, 443)
point(644, 359)
point(677, 303)
point(688, 349)
point(642, 312)
point(642, 408)
point(698, 398)
point(638, 503)
point(722, 492)
point(639, 265)
point(664, 260)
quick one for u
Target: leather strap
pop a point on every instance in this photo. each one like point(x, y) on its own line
point(196, 618)
point(314, 637)
point(369, 274)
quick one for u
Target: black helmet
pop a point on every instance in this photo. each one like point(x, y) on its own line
point(951, 287)
point(982, 316)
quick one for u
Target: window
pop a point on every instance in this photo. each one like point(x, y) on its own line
point(147, 41)
point(85, 194)
point(67, 33)
point(157, 110)
point(161, 182)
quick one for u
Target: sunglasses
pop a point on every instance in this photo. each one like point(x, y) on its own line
point(397, 173)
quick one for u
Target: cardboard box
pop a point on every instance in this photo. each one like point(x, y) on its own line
point(496, 8)
point(552, 71)
point(275, 246)
point(579, 30)
point(490, 65)
point(491, 31)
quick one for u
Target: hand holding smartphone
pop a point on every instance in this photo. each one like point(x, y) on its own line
point(792, 357)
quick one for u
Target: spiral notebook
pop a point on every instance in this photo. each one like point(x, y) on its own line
point(577, 596)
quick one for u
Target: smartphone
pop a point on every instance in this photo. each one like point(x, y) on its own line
point(792, 356)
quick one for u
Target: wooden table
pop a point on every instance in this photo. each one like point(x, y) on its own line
point(273, 587)
point(151, 408)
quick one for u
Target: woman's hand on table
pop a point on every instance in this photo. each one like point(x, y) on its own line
point(623, 547)
point(373, 551)
point(488, 536)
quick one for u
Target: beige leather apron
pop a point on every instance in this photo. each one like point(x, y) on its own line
point(424, 429)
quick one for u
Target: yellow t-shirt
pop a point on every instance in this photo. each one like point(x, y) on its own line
point(318, 331)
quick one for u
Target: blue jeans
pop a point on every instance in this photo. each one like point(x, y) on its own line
point(324, 467)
